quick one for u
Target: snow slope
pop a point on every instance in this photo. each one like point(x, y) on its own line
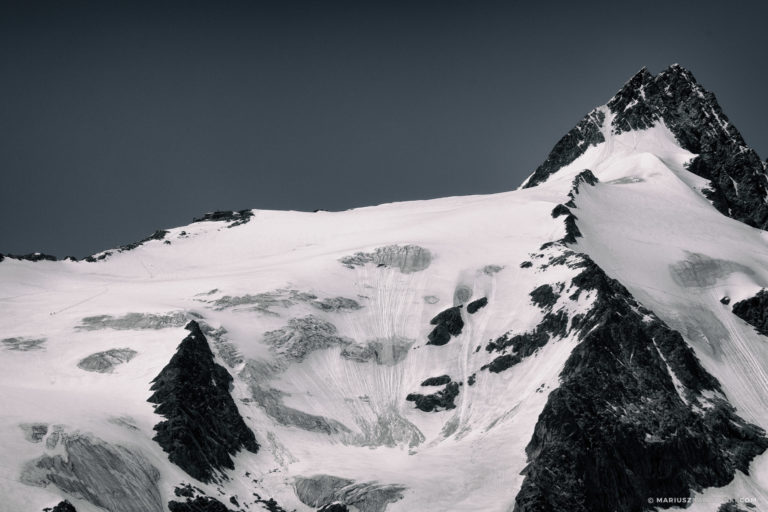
point(300, 251)
point(316, 410)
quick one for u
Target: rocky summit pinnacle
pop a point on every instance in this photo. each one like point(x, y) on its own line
point(738, 186)
point(202, 428)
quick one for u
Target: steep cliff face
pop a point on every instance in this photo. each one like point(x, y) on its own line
point(737, 186)
point(587, 133)
point(594, 341)
point(754, 311)
point(635, 417)
point(202, 427)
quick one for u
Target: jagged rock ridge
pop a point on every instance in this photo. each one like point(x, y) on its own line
point(754, 311)
point(635, 416)
point(203, 427)
point(573, 144)
point(737, 175)
point(738, 182)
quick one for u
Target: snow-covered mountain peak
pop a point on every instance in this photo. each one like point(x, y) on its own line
point(736, 182)
point(569, 346)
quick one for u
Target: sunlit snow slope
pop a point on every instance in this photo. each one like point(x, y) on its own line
point(330, 324)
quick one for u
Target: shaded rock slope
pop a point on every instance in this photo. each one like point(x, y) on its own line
point(738, 183)
point(754, 311)
point(202, 427)
point(635, 416)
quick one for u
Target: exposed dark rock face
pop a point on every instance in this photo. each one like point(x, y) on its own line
point(271, 505)
point(585, 134)
point(157, 235)
point(518, 347)
point(63, 506)
point(515, 348)
point(234, 218)
point(559, 210)
point(436, 381)
point(474, 306)
point(571, 229)
point(636, 416)
point(334, 507)
point(544, 296)
point(197, 501)
point(631, 418)
point(447, 323)
point(586, 176)
point(198, 504)
point(506, 361)
point(102, 256)
point(108, 476)
point(738, 183)
point(105, 362)
point(439, 401)
point(203, 427)
point(160, 234)
point(733, 507)
point(754, 311)
point(186, 491)
point(32, 256)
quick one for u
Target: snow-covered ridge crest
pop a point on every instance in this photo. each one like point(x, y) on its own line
point(589, 307)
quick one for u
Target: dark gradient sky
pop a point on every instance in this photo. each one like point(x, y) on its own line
point(119, 119)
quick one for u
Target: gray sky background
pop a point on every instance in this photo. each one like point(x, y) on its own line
point(119, 119)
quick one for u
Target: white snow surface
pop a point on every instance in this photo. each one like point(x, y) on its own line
point(644, 220)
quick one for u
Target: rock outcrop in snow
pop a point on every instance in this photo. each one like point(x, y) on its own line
point(202, 427)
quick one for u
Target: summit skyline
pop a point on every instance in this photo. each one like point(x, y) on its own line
point(123, 119)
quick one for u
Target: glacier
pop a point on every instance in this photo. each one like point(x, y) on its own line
point(506, 318)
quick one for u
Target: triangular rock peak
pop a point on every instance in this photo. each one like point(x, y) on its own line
point(203, 427)
point(738, 186)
